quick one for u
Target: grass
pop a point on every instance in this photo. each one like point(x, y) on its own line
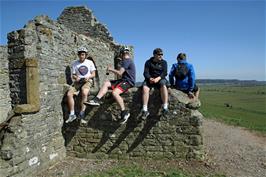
point(246, 105)
point(138, 171)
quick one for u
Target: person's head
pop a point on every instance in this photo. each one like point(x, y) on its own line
point(181, 56)
point(125, 52)
point(82, 53)
point(158, 53)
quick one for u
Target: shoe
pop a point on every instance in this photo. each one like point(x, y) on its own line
point(71, 118)
point(93, 102)
point(165, 112)
point(124, 116)
point(83, 121)
point(144, 114)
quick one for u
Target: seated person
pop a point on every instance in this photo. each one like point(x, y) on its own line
point(83, 71)
point(155, 71)
point(127, 72)
point(182, 77)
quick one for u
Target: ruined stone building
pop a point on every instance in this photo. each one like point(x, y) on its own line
point(34, 73)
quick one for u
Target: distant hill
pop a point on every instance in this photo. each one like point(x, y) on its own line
point(230, 82)
point(224, 82)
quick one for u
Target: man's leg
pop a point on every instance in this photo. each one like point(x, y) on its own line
point(116, 94)
point(71, 104)
point(145, 97)
point(124, 114)
point(70, 100)
point(164, 94)
point(104, 89)
point(84, 98)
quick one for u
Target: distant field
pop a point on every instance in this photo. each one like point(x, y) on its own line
point(237, 105)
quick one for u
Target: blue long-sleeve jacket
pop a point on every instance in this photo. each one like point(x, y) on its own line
point(188, 83)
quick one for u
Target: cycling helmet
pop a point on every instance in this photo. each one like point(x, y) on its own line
point(82, 49)
point(125, 49)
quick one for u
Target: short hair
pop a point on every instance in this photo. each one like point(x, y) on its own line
point(181, 56)
point(157, 50)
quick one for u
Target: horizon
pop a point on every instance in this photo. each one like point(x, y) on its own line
point(219, 45)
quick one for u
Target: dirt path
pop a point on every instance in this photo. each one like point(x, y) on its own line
point(234, 150)
point(230, 150)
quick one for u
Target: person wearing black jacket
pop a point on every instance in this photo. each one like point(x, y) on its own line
point(155, 72)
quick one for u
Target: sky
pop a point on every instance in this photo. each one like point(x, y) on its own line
point(222, 39)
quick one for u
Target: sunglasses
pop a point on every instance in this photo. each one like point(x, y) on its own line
point(160, 54)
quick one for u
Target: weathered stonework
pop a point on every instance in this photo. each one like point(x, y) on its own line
point(81, 20)
point(177, 135)
point(31, 141)
point(5, 100)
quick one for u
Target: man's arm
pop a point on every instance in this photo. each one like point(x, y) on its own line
point(171, 75)
point(164, 73)
point(118, 72)
point(146, 72)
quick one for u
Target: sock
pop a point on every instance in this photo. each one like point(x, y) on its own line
point(145, 108)
point(72, 112)
point(97, 98)
point(165, 106)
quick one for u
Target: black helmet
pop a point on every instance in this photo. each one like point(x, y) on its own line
point(181, 56)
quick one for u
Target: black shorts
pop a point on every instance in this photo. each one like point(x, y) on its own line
point(161, 83)
point(195, 89)
point(120, 84)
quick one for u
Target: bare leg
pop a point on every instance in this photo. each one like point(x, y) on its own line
point(164, 94)
point(116, 94)
point(70, 100)
point(84, 97)
point(197, 93)
point(104, 89)
point(145, 95)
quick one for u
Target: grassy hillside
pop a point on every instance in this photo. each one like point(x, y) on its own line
point(237, 105)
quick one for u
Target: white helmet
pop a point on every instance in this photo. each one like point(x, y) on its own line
point(82, 49)
point(125, 49)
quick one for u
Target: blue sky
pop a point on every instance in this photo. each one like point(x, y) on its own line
point(222, 39)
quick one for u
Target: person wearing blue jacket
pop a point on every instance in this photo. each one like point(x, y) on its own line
point(182, 77)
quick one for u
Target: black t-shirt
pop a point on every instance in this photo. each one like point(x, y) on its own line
point(130, 71)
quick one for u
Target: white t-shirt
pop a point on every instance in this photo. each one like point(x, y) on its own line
point(84, 69)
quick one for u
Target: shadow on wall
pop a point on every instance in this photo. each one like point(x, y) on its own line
point(102, 119)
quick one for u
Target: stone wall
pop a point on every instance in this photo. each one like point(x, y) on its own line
point(32, 141)
point(177, 135)
point(81, 20)
point(5, 101)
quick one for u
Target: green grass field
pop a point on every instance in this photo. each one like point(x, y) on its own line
point(236, 105)
point(138, 171)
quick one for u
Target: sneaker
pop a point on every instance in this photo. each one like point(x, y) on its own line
point(71, 118)
point(165, 112)
point(83, 121)
point(93, 102)
point(144, 114)
point(124, 116)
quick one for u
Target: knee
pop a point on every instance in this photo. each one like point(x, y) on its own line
point(70, 93)
point(115, 94)
point(106, 83)
point(84, 92)
point(146, 89)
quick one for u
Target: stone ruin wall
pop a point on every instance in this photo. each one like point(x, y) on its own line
point(31, 142)
point(5, 100)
